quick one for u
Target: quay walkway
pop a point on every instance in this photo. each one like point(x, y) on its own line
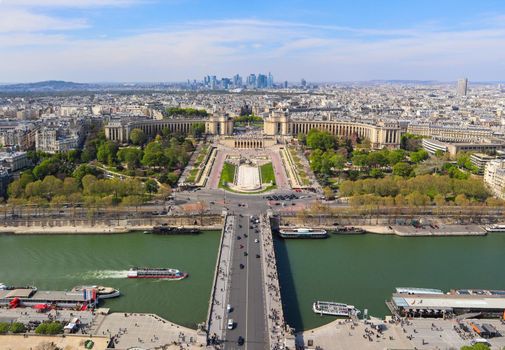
point(279, 334)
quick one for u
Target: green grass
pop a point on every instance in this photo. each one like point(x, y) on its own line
point(267, 173)
point(227, 174)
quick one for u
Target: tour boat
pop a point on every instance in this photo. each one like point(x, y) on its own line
point(101, 291)
point(348, 230)
point(495, 228)
point(334, 309)
point(165, 273)
point(6, 287)
point(170, 230)
point(303, 233)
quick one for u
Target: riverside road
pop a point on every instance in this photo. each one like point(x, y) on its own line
point(246, 296)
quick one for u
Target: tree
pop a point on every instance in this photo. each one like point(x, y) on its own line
point(439, 200)
point(402, 169)
point(83, 170)
point(4, 327)
point(197, 130)
point(419, 156)
point(395, 156)
point(17, 327)
point(107, 152)
point(131, 156)
point(328, 193)
point(151, 186)
point(461, 200)
point(153, 154)
point(322, 140)
point(410, 142)
point(376, 159)
point(138, 137)
point(417, 199)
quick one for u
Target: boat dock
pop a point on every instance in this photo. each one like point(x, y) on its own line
point(31, 297)
point(488, 303)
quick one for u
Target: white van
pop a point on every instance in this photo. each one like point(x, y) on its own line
point(228, 308)
point(231, 323)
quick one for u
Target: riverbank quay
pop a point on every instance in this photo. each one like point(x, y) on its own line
point(85, 229)
point(278, 331)
point(326, 215)
point(125, 330)
point(67, 342)
point(146, 331)
point(418, 333)
point(216, 320)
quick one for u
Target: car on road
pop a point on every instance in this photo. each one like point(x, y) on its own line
point(229, 308)
point(245, 235)
point(231, 324)
point(241, 266)
point(240, 340)
point(241, 246)
point(256, 240)
point(257, 255)
point(238, 237)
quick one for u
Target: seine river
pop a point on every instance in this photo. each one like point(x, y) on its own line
point(361, 270)
point(62, 262)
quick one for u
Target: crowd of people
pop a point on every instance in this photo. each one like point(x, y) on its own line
point(276, 324)
point(218, 311)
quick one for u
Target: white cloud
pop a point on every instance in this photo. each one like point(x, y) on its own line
point(67, 3)
point(289, 50)
point(19, 20)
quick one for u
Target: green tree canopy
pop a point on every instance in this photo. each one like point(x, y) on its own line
point(402, 169)
point(138, 137)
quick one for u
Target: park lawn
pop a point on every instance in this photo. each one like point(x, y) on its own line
point(267, 173)
point(227, 174)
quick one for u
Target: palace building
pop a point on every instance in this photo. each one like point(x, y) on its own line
point(277, 127)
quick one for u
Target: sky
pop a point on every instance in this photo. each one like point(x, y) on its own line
point(319, 40)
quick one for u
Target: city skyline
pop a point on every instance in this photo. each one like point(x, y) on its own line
point(133, 40)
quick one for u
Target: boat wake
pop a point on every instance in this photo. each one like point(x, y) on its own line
point(106, 274)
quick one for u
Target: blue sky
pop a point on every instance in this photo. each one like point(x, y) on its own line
point(173, 40)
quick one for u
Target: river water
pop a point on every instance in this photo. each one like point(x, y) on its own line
point(363, 270)
point(62, 262)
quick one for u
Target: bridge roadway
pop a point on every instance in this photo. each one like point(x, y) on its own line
point(246, 295)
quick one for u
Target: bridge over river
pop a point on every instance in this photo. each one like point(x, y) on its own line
point(246, 289)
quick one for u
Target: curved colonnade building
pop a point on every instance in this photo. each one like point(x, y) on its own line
point(278, 126)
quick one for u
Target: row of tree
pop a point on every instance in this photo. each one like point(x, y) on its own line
point(90, 189)
point(428, 185)
point(186, 112)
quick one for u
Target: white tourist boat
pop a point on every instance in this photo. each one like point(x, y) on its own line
point(101, 291)
point(302, 233)
point(334, 309)
point(495, 228)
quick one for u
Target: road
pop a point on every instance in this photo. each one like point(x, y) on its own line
point(246, 295)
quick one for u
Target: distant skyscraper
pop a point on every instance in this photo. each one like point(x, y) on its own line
point(262, 81)
point(251, 80)
point(303, 83)
point(462, 87)
point(285, 84)
point(270, 82)
point(237, 81)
